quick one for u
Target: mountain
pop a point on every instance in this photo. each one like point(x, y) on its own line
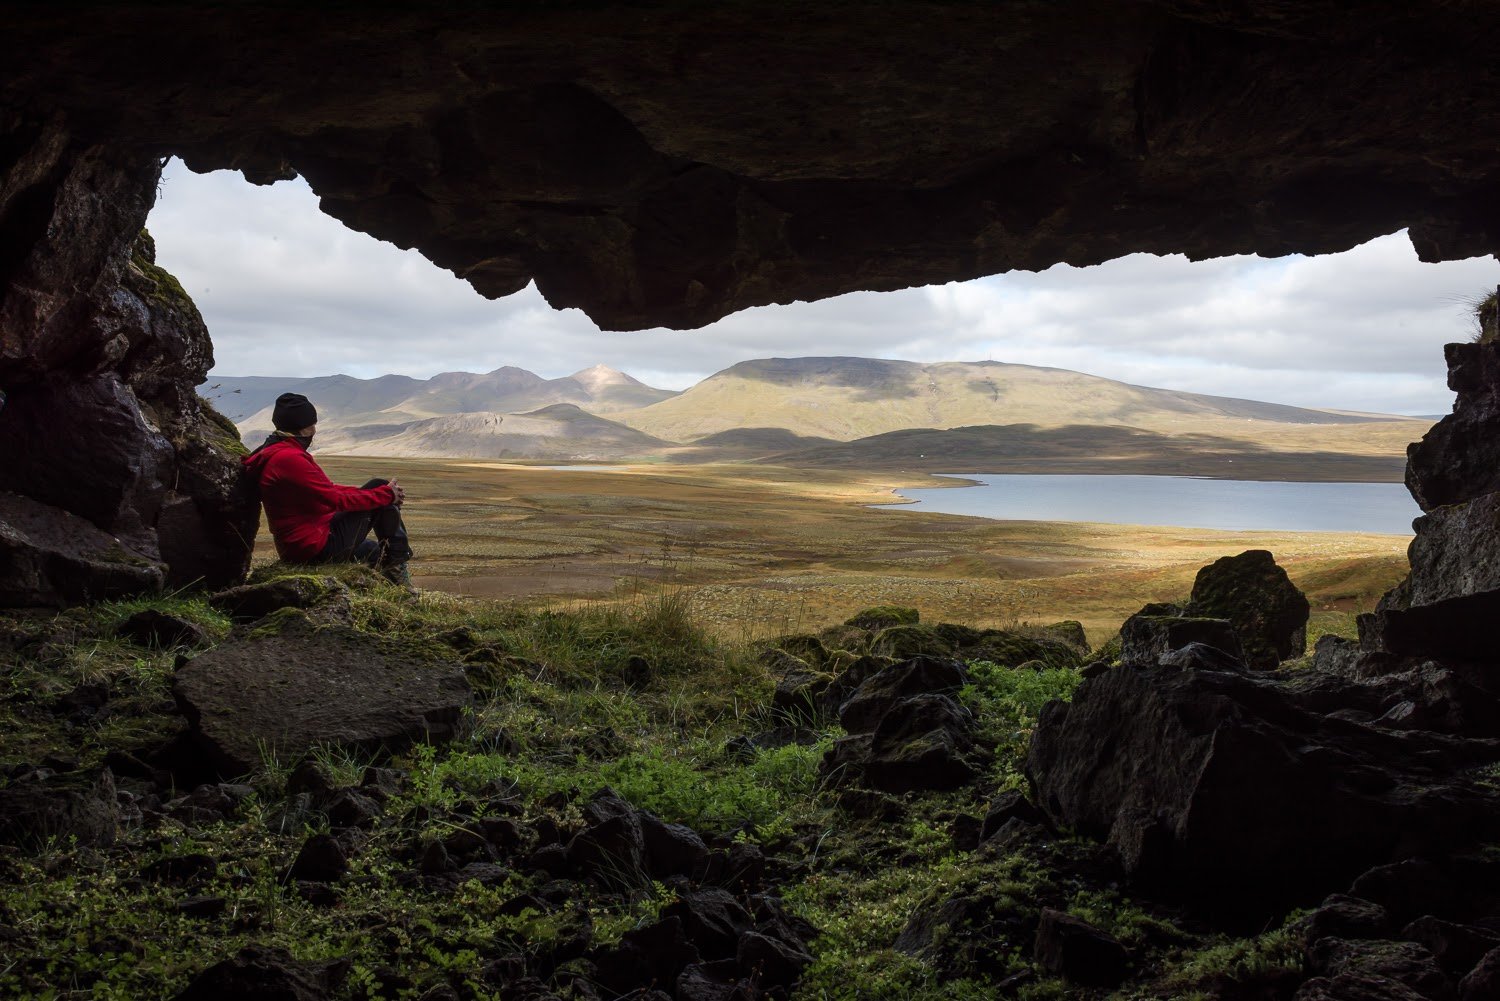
point(344, 402)
point(849, 398)
point(561, 432)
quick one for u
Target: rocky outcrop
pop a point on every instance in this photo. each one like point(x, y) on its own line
point(100, 354)
point(288, 687)
point(1240, 791)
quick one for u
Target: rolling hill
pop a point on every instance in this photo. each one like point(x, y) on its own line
point(850, 398)
point(558, 432)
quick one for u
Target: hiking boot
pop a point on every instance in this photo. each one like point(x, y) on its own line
point(400, 575)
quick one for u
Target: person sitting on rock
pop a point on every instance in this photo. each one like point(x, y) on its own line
point(315, 520)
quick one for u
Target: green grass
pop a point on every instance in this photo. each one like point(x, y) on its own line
point(638, 696)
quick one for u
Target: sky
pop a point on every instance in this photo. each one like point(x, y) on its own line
point(288, 291)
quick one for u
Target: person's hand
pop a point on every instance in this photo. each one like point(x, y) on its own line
point(400, 493)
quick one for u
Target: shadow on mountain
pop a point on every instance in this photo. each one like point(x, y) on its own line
point(1080, 449)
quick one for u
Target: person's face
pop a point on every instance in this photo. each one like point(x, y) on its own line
point(308, 432)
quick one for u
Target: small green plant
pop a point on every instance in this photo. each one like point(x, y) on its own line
point(1007, 702)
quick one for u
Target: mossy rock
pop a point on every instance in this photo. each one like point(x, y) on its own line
point(804, 647)
point(1109, 652)
point(907, 641)
point(845, 637)
point(1269, 613)
point(1009, 649)
point(1070, 631)
point(250, 602)
point(884, 617)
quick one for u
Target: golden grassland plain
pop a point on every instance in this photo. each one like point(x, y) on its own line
point(762, 550)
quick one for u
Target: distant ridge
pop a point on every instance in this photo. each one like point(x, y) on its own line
point(849, 398)
point(344, 401)
point(849, 412)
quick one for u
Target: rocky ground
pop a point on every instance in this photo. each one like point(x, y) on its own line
point(323, 787)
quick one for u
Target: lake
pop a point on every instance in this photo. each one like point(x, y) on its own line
point(1180, 501)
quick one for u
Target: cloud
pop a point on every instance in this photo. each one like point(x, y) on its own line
point(289, 291)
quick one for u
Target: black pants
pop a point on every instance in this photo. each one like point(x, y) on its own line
point(348, 542)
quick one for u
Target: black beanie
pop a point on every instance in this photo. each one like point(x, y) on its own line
point(293, 412)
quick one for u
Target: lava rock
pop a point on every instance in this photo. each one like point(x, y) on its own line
point(320, 860)
point(870, 703)
point(671, 849)
point(1457, 948)
point(261, 974)
point(1164, 762)
point(655, 954)
point(1483, 982)
point(1080, 952)
point(1148, 636)
point(883, 617)
point(1269, 614)
point(50, 557)
point(921, 743)
point(773, 962)
point(1006, 806)
point(611, 848)
point(1403, 962)
point(713, 921)
point(81, 806)
point(1344, 916)
point(298, 689)
point(719, 981)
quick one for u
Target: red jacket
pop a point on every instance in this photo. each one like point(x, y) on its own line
point(300, 500)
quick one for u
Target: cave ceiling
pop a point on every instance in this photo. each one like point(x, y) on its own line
point(669, 163)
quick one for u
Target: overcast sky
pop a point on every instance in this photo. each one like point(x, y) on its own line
point(289, 291)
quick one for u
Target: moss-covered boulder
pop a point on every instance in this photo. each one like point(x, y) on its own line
point(1069, 631)
point(1012, 648)
point(286, 690)
point(1268, 612)
point(883, 617)
point(903, 642)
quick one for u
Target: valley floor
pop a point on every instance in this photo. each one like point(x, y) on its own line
point(760, 550)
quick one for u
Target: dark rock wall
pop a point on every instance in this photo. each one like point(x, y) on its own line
point(100, 352)
point(669, 163)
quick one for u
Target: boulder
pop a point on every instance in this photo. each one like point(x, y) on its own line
point(1268, 612)
point(1356, 987)
point(321, 859)
point(713, 920)
point(1483, 982)
point(883, 617)
point(1079, 952)
point(1456, 947)
point(290, 691)
point(1405, 963)
point(873, 699)
point(655, 954)
point(921, 743)
point(1220, 786)
point(257, 973)
point(717, 981)
point(49, 557)
point(1147, 637)
point(611, 848)
point(77, 806)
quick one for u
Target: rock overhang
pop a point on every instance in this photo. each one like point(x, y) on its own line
point(666, 164)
